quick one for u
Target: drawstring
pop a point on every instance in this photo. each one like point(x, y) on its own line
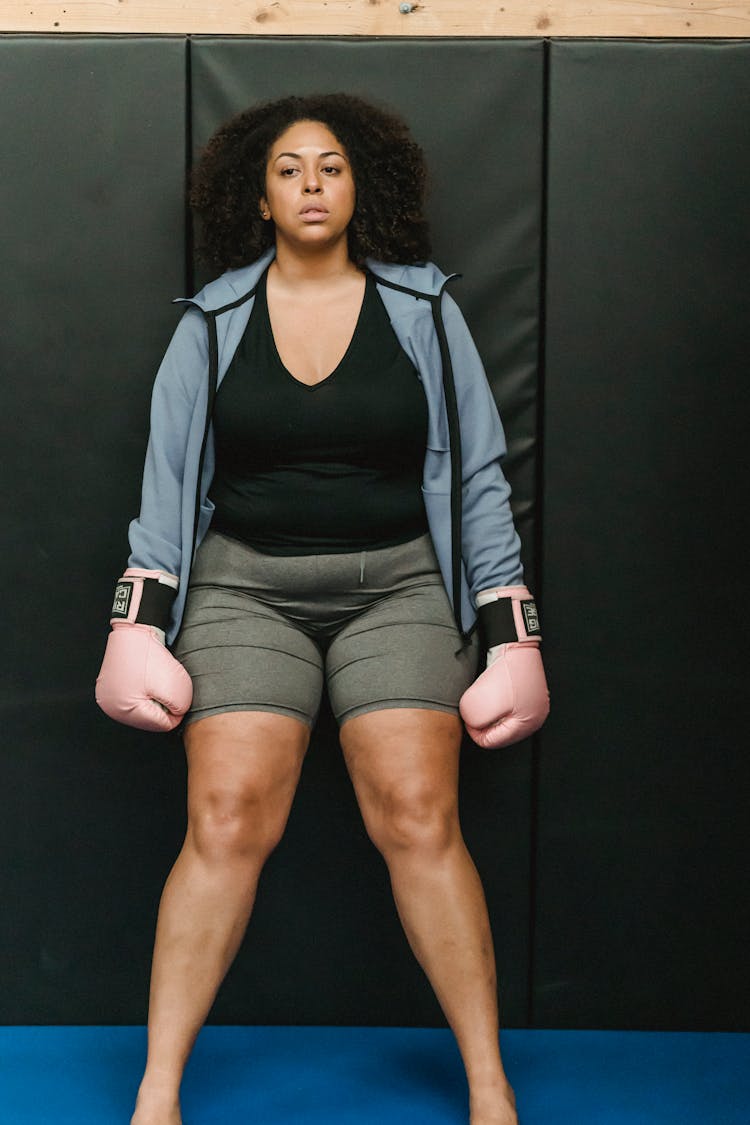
point(361, 568)
point(465, 641)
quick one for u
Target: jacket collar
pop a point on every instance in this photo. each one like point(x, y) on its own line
point(234, 286)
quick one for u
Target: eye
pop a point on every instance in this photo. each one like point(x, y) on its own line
point(283, 171)
point(331, 168)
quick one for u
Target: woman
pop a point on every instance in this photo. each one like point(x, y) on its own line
point(323, 433)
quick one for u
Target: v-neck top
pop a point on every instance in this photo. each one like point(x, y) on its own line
point(331, 467)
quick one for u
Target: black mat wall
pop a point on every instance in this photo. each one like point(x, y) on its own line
point(642, 904)
point(326, 884)
point(609, 852)
point(93, 233)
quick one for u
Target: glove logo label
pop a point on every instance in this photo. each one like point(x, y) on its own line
point(531, 619)
point(123, 594)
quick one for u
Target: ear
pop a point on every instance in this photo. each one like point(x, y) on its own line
point(263, 207)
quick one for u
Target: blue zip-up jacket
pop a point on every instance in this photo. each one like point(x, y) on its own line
point(465, 494)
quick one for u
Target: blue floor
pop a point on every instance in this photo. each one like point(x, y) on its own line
point(377, 1076)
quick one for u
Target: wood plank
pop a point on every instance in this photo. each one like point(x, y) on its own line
point(611, 18)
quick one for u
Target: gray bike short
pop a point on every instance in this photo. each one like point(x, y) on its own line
point(261, 632)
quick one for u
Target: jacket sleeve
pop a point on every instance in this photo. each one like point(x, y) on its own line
point(491, 547)
point(156, 535)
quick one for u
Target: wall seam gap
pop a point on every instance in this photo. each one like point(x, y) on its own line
point(189, 247)
point(539, 529)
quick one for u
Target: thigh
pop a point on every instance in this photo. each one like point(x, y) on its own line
point(241, 652)
point(403, 652)
point(403, 763)
point(240, 761)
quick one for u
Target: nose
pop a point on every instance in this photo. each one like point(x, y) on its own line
point(312, 182)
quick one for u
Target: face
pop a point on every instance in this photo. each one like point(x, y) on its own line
point(310, 190)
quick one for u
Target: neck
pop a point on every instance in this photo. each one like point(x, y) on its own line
point(296, 267)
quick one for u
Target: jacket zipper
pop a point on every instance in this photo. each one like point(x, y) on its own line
point(213, 380)
point(454, 441)
point(210, 316)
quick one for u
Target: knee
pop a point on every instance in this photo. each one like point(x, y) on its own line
point(225, 825)
point(415, 817)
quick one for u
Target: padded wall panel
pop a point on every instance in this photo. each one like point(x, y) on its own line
point(325, 907)
point(642, 894)
point(641, 912)
point(92, 132)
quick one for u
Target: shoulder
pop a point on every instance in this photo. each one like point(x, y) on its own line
point(232, 286)
point(422, 278)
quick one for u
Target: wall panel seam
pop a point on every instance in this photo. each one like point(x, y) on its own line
point(538, 522)
point(189, 233)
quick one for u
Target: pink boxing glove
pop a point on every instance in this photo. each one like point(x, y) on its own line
point(510, 699)
point(140, 683)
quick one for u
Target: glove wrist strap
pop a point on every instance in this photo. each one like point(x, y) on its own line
point(507, 614)
point(144, 598)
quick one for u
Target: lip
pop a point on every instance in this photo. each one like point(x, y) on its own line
point(313, 212)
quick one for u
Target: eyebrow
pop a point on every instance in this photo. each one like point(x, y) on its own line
point(297, 156)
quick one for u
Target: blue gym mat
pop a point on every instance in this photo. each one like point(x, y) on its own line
point(368, 1076)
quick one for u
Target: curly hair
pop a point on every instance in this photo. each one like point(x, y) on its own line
point(388, 167)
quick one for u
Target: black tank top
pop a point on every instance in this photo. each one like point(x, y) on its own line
point(320, 469)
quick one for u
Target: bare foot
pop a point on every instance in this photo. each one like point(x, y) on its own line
point(493, 1103)
point(155, 1108)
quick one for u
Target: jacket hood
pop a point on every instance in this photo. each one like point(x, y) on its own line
point(427, 279)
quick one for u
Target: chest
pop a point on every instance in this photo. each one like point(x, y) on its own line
point(364, 410)
point(312, 338)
